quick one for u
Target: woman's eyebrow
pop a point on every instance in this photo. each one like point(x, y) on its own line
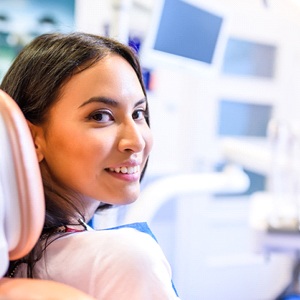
point(108, 101)
point(104, 100)
point(140, 102)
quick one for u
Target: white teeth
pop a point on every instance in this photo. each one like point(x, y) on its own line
point(126, 170)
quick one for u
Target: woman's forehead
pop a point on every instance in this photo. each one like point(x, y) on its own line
point(112, 77)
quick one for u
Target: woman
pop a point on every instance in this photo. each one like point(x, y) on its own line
point(86, 106)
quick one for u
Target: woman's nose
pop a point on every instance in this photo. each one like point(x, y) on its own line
point(131, 137)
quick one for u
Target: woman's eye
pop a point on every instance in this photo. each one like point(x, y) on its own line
point(101, 116)
point(139, 114)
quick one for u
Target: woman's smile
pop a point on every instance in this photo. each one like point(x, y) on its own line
point(130, 174)
point(126, 170)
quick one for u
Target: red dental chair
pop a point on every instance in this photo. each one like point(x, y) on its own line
point(22, 207)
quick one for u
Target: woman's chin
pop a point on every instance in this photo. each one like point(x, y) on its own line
point(120, 201)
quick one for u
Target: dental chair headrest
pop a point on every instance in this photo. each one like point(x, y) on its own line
point(22, 205)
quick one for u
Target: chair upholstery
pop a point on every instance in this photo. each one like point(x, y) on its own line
point(22, 206)
point(21, 193)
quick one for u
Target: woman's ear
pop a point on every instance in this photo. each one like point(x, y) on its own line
point(37, 134)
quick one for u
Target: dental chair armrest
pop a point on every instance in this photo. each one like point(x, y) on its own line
point(31, 289)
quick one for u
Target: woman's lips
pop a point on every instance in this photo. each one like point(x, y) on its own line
point(126, 170)
point(130, 173)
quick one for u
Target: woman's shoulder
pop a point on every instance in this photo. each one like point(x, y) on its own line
point(109, 264)
point(121, 237)
point(123, 245)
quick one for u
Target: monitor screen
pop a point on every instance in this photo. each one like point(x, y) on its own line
point(183, 33)
point(244, 119)
point(249, 58)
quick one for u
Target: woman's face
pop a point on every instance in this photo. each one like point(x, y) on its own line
point(96, 140)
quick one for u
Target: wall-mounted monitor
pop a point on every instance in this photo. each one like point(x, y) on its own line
point(249, 58)
point(183, 34)
point(243, 119)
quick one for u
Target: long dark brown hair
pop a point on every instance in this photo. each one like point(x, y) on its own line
point(34, 81)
